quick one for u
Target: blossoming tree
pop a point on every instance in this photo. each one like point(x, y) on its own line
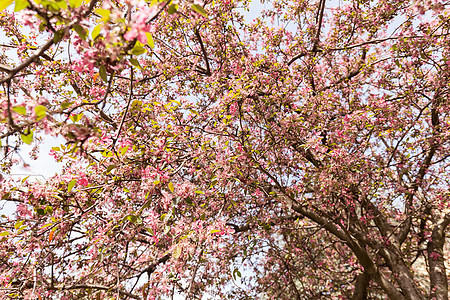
point(220, 150)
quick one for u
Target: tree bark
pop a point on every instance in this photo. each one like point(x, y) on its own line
point(361, 285)
point(435, 251)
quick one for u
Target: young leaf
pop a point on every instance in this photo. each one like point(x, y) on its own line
point(199, 9)
point(124, 150)
point(172, 9)
point(138, 49)
point(102, 72)
point(236, 273)
point(80, 30)
point(21, 4)
point(40, 112)
point(4, 233)
point(71, 185)
point(21, 110)
point(75, 3)
point(150, 41)
point(5, 3)
point(27, 138)
point(177, 252)
point(58, 36)
point(104, 13)
point(132, 218)
point(61, 4)
point(65, 105)
point(40, 211)
point(170, 186)
point(18, 224)
point(96, 31)
point(110, 167)
point(135, 63)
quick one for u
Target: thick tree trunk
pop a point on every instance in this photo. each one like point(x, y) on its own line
point(361, 285)
point(438, 274)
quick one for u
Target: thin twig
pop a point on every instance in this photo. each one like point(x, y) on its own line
point(375, 41)
point(126, 109)
point(45, 47)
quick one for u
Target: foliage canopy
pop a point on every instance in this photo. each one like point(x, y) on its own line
point(213, 149)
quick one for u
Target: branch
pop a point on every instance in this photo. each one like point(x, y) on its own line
point(351, 74)
point(126, 109)
point(308, 155)
point(319, 23)
point(191, 283)
point(247, 227)
point(374, 41)
point(436, 260)
point(45, 47)
point(96, 287)
point(205, 56)
point(329, 224)
point(361, 285)
point(404, 231)
point(150, 269)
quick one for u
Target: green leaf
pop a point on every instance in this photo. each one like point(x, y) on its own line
point(132, 218)
point(76, 118)
point(5, 3)
point(96, 31)
point(49, 210)
point(135, 63)
point(109, 168)
point(65, 105)
point(102, 72)
point(199, 9)
point(105, 13)
point(199, 192)
point(216, 230)
point(40, 211)
point(40, 111)
point(172, 9)
point(27, 138)
point(150, 40)
point(58, 36)
point(80, 30)
point(62, 4)
point(18, 224)
point(124, 150)
point(21, 4)
point(20, 110)
point(42, 26)
point(75, 3)
point(47, 225)
point(138, 49)
point(4, 233)
point(71, 185)
point(170, 186)
point(176, 253)
point(236, 273)
point(213, 183)
point(107, 153)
